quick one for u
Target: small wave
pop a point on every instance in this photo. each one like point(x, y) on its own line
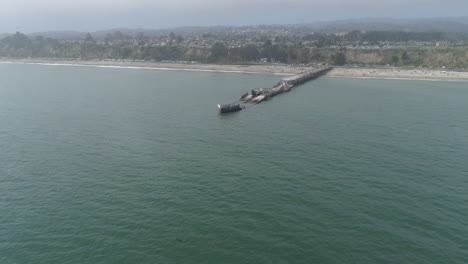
point(139, 67)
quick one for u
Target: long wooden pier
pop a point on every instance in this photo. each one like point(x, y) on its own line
point(257, 96)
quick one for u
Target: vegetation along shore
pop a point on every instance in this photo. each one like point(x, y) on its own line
point(413, 50)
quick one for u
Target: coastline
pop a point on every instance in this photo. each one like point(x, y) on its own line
point(345, 72)
point(396, 73)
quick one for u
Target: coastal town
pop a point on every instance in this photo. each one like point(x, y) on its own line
point(259, 36)
point(285, 44)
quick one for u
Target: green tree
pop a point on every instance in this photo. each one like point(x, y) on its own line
point(179, 39)
point(249, 52)
point(89, 38)
point(140, 37)
point(340, 59)
point(39, 38)
point(276, 53)
point(17, 41)
point(405, 56)
point(219, 51)
point(267, 43)
point(118, 35)
point(278, 40)
point(172, 36)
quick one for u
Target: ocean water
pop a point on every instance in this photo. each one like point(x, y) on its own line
point(102, 165)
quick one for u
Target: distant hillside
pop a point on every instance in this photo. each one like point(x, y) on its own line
point(72, 35)
point(101, 34)
point(457, 25)
point(450, 25)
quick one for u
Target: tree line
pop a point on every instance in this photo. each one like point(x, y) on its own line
point(20, 45)
point(376, 37)
point(117, 46)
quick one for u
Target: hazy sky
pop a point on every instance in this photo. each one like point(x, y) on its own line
point(90, 15)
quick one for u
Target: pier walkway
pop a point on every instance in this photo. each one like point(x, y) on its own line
point(256, 96)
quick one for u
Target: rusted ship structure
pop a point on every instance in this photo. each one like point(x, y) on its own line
point(257, 96)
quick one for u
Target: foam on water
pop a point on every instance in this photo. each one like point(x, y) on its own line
point(137, 67)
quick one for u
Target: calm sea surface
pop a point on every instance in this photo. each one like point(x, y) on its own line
point(103, 165)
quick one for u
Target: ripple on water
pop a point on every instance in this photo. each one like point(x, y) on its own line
point(104, 165)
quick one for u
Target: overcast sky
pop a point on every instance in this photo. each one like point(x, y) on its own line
point(91, 15)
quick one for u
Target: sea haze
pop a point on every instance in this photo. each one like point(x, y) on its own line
point(103, 165)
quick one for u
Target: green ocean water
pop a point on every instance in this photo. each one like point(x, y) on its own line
point(107, 165)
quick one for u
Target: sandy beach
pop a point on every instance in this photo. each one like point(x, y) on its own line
point(400, 73)
point(381, 73)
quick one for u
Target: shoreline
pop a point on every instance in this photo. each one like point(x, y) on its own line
point(392, 73)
